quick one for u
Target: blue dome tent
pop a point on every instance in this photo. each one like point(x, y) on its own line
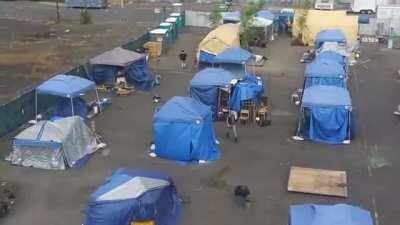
point(329, 35)
point(133, 65)
point(343, 214)
point(69, 89)
point(183, 131)
point(324, 71)
point(234, 60)
point(325, 115)
point(207, 83)
point(130, 196)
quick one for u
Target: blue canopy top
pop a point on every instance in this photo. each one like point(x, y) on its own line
point(320, 95)
point(322, 67)
point(65, 86)
point(121, 176)
point(334, 56)
point(329, 35)
point(233, 55)
point(231, 16)
point(342, 214)
point(182, 109)
point(266, 14)
point(212, 77)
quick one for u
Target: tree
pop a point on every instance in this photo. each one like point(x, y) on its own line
point(248, 33)
point(301, 18)
point(215, 16)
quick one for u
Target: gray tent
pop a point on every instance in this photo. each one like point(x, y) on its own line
point(53, 145)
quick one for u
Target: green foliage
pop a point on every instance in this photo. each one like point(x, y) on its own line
point(248, 33)
point(215, 16)
point(85, 17)
point(301, 19)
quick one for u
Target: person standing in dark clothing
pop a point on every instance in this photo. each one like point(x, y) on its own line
point(231, 120)
point(182, 57)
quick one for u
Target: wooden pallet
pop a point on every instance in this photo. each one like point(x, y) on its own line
point(318, 181)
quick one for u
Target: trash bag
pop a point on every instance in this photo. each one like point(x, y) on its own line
point(7, 197)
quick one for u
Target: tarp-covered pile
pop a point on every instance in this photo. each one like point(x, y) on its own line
point(206, 85)
point(183, 131)
point(222, 37)
point(134, 197)
point(133, 65)
point(250, 88)
point(53, 145)
point(340, 214)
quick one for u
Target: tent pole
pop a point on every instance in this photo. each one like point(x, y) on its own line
point(98, 99)
point(72, 106)
point(349, 128)
point(36, 109)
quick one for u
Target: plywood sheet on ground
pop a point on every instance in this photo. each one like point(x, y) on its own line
point(318, 181)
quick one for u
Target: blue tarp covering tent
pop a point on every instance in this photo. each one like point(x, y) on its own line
point(324, 71)
point(234, 60)
point(86, 3)
point(251, 88)
point(66, 142)
point(334, 56)
point(325, 114)
point(233, 55)
point(329, 35)
point(183, 131)
point(340, 214)
point(129, 196)
point(69, 88)
point(231, 17)
point(206, 84)
point(133, 65)
point(266, 14)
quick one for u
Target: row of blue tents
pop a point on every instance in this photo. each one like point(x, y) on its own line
point(325, 113)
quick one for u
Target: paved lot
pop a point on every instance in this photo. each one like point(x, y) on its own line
point(261, 159)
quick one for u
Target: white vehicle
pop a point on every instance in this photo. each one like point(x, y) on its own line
point(325, 4)
point(364, 6)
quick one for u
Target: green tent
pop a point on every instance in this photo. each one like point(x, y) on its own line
point(169, 27)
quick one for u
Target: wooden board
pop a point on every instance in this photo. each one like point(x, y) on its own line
point(318, 181)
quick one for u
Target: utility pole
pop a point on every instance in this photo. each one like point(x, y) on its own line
point(58, 11)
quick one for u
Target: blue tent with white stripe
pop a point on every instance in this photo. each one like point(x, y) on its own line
point(325, 115)
point(340, 214)
point(206, 85)
point(329, 35)
point(323, 71)
point(129, 196)
point(183, 131)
